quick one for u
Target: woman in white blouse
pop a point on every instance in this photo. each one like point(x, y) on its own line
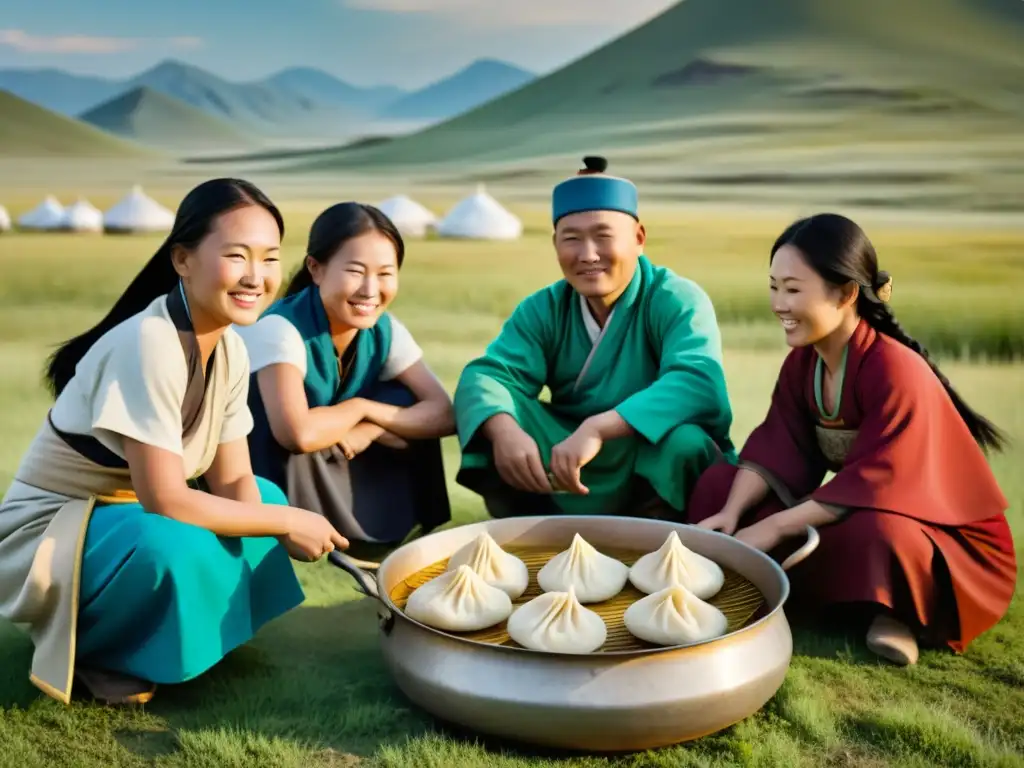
point(348, 416)
point(137, 546)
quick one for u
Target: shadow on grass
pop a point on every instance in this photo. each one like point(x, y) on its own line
point(315, 678)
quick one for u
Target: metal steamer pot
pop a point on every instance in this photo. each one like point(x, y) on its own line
point(599, 702)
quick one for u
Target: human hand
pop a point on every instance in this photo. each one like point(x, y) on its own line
point(391, 440)
point(572, 454)
point(764, 535)
point(517, 459)
point(310, 536)
point(358, 439)
point(725, 521)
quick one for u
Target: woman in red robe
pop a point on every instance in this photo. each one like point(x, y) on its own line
point(912, 524)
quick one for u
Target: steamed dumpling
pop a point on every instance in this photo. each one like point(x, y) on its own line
point(458, 601)
point(594, 577)
point(496, 566)
point(674, 564)
point(674, 616)
point(557, 622)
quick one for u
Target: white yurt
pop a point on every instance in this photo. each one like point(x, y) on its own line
point(138, 212)
point(411, 218)
point(480, 217)
point(48, 215)
point(82, 216)
point(5, 220)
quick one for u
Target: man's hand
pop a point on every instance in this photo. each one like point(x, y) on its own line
point(574, 453)
point(516, 456)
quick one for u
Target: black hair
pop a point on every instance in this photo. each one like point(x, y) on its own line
point(193, 221)
point(336, 226)
point(840, 252)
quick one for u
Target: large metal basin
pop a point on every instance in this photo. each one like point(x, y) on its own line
point(618, 701)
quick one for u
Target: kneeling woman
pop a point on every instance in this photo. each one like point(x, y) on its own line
point(348, 417)
point(912, 523)
point(125, 573)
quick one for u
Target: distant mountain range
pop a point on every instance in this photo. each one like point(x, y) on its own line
point(477, 84)
point(150, 117)
point(916, 103)
point(300, 99)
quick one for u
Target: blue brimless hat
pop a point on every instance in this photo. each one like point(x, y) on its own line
point(591, 189)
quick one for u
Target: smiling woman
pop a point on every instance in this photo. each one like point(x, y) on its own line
point(348, 415)
point(124, 571)
point(913, 523)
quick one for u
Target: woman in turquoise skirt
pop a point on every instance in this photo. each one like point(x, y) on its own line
point(137, 546)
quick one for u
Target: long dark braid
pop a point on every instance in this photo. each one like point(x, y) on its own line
point(880, 316)
point(838, 250)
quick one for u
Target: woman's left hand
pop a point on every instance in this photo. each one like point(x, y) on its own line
point(764, 535)
point(357, 440)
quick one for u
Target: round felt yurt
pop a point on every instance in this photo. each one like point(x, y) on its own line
point(138, 212)
point(480, 217)
point(82, 216)
point(411, 218)
point(47, 216)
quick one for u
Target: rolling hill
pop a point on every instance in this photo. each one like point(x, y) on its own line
point(57, 90)
point(918, 102)
point(152, 118)
point(28, 130)
point(480, 82)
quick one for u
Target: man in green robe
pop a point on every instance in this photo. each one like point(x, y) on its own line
point(632, 356)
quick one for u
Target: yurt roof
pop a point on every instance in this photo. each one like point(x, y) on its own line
point(408, 215)
point(83, 216)
point(480, 216)
point(49, 214)
point(138, 212)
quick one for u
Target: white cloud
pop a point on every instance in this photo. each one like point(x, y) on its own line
point(523, 13)
point(20, 40)
point(186, 42)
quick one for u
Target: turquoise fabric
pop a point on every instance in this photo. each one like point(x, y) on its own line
point(659, 366)
point(165, 601)
point(324, 385)
point(323, 382)
point(594, 192)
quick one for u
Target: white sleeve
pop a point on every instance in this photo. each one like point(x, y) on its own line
point(403, 353)
point(272, 340)
point(138, 386)
point(238, 421)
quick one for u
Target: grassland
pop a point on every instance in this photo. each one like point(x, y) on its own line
point(311, 690)
point(28, 130)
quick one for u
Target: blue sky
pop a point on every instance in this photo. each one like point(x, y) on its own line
point(366, 42)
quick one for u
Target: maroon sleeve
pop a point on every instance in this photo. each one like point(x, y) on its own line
point(784, 445)
point(913, 454)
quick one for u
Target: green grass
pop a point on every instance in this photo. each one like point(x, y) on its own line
point(312, 690)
